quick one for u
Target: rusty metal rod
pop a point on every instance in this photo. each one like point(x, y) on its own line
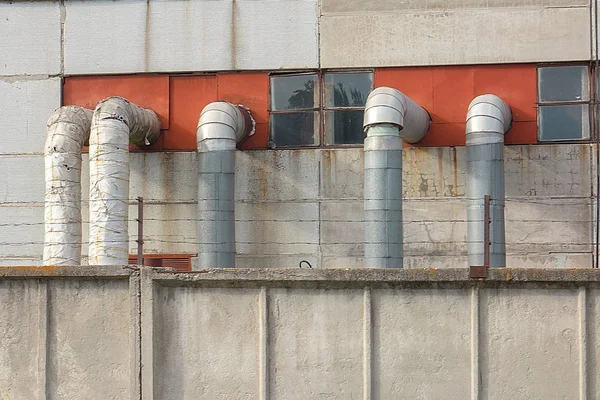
point(140, 239)
point(486, 233)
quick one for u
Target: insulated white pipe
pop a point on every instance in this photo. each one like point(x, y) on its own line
point(389, 118)
point(221, 126)
point(488, 119)
point(115, 124)
point(68, 129)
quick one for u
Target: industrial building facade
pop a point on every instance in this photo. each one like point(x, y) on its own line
point(303, 70)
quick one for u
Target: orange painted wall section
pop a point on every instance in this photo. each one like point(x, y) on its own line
point(189, 95)
point(148, 91)
point(445, 92)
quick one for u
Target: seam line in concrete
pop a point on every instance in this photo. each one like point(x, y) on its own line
point(367, 345)
point(43, 358)
point(582, 311)
point(475, 370)
point(263, 356)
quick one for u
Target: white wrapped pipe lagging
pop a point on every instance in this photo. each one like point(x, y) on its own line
point(68, 129)
point(115, 124)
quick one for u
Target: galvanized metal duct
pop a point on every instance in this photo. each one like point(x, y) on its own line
point(390, 117)
point(221, 126)
point(115, 124)
point(67, 131)
point(488, 119)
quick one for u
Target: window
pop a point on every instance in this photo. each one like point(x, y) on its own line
point(318, 108)
point(564, 103)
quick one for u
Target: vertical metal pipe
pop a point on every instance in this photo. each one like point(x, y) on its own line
point(383, 197)
point(67, 131)
point(390, 117)
point(115, 124)
point(220, 127)
point(488, 119)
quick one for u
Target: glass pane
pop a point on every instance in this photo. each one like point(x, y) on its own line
point(344, 127)
point(567, 122)
point(347, 89)
point(297, 129)
point(294, 92)
point(563, 83)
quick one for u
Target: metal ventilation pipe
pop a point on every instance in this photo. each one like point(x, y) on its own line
point(488, 119)
point(115, 124)
point(68, 129)
point(221, 126)
point(390, 117)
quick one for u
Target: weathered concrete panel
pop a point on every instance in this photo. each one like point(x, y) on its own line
point(114, 41)
point(25, 106)
point(277, 34)
point(529, 344)
point(20, 334)
point(206, 343)
point(413, 358)
point(557, 170)
point(89, 334)
point(287, 175)
point(162, 35)
point(188, 35)
point(342, 173)
point(433, 172)
point(21, 179)
point(469, 36)
point(276, 228)
point(308, 356)
point(21, 233)
point(31, 38)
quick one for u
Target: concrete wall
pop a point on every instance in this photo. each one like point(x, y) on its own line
point(307, 205)
point(298, 334)
point(295, 205)
point(453, 32)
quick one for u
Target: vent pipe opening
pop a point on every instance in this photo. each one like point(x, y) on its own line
point(221, 126)
point(115, 124)
point(488, 119)
point(390, 117)
point(68, 129)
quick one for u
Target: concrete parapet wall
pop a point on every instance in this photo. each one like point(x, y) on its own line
point(112, 332)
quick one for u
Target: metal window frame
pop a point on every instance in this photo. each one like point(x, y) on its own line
point(319, 110)
point(591, 102)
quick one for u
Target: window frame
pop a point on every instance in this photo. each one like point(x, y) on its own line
point(320, 110)
point(590, 102)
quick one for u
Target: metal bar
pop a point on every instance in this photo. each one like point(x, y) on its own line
point(486, 232)
point(140, 239)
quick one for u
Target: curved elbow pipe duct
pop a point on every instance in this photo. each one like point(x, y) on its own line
point(390, 117)
point(221, 126)
point(67, 131)
point(115, 124)
point(488, 119)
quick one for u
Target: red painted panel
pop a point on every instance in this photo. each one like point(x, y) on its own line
point(148, 91)
point(445, 92)
point(189, 95)
point(250, 90)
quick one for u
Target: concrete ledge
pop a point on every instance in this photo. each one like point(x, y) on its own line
point(297, 275)
point(374, 276)
point(85, 272)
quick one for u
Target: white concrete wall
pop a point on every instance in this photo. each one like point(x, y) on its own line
point(281, 334)
point(164, 35)
point(391, 33)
